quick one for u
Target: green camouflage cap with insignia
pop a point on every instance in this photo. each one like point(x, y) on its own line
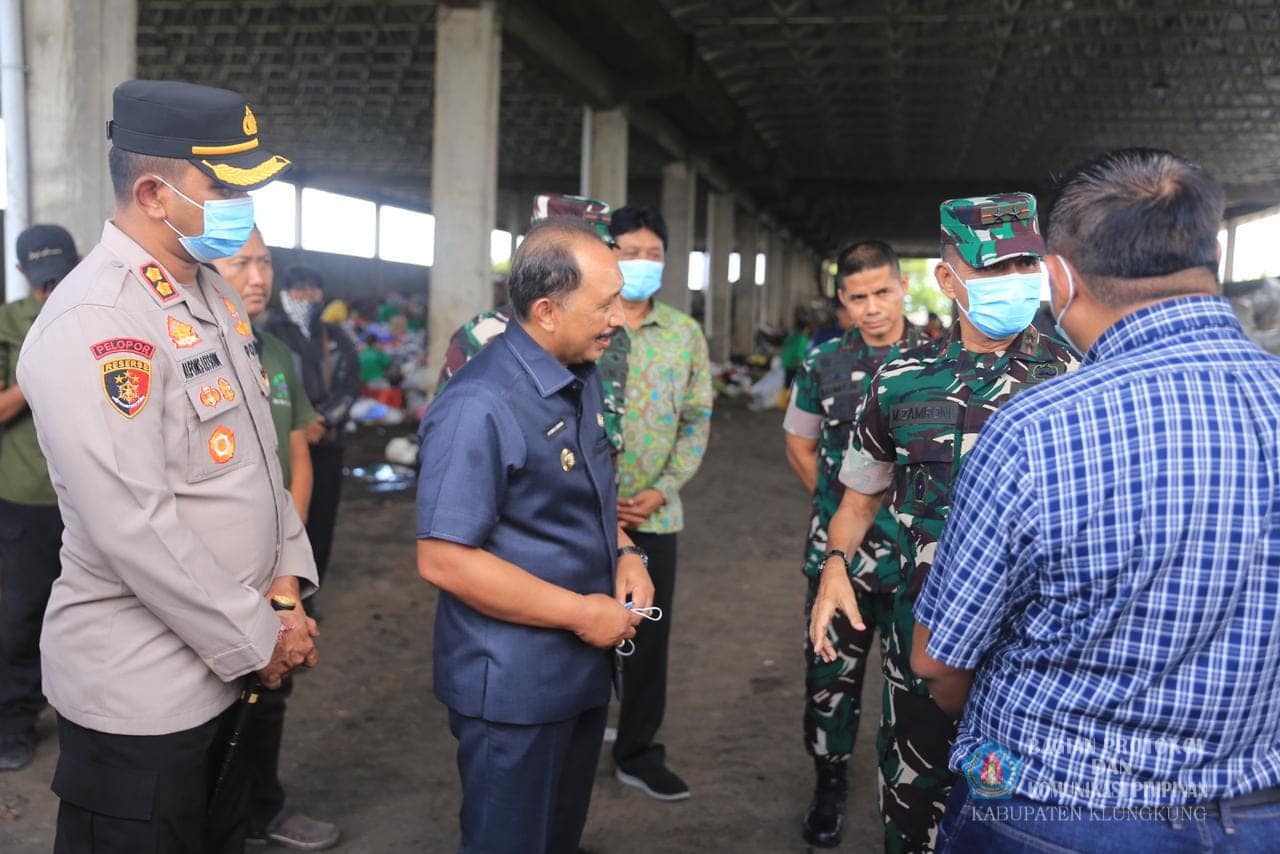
point(989, 229)
point(593, 211)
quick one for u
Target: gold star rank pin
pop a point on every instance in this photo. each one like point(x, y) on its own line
point(567, 459)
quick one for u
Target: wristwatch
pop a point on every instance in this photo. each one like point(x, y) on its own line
point(635, 550)
point(836, 553)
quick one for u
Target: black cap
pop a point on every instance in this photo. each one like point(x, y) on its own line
point(46, 254)
point(214, 129)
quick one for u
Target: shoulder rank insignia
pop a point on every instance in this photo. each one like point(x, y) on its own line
point(183, 335)
point(222, 444)
point(158, 283)
point(127, 383)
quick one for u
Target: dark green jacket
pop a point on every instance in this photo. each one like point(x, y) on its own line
point(24, 475)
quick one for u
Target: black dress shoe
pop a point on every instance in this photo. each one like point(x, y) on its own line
point(824, 820)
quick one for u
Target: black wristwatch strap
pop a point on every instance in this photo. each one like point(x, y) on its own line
point(635, 550)
point(836, 553)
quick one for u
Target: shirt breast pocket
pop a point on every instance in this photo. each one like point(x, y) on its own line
point(927, 457)
point(218, 428)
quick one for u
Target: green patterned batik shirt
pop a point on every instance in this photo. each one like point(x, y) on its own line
point(667, 416)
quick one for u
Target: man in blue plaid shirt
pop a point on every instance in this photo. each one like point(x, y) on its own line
point(1104, 606)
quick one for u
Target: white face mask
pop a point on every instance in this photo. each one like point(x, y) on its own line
point(1057, 321)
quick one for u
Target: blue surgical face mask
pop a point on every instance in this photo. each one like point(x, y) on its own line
point(227, 226)
point(1002, 306)
point(640, 279)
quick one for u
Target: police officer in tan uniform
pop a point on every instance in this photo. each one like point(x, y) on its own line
point(151, 407)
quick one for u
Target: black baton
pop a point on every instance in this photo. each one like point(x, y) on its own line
point(248, 699)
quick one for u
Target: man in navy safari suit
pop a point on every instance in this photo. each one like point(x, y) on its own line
point(517, 526)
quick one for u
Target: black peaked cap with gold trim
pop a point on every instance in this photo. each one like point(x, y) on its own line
point(214, 129)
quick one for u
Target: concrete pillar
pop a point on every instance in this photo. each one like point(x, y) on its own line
point(745, 292)
point(804, 290)
point(775, 274)
point(78, 52)
point(604, 166)
point(464, 166)
point(719, 245)
point(679, 209)
point(797, 295)
point(515, 208)
point(1229, 259)
point(760, 295)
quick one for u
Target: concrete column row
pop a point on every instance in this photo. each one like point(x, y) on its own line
point(464, 166)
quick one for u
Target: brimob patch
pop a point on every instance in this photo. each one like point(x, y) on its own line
point(127, 384)
point(159, 284)
point(133, 346)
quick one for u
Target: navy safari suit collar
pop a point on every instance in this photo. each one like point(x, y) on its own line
point(548, 374)
point(1163, 321)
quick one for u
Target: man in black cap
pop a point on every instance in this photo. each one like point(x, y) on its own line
point(30, 525)
point(180, 536)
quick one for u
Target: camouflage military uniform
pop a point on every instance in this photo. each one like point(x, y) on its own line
point(922, 414)
point(472, 336)
point(830, 384)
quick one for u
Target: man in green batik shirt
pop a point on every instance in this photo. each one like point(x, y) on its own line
point(920, 417)
point(824, 401)
point(30, 524)
point(271, 819)
point(665, 424)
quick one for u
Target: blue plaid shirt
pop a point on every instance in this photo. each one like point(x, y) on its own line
point(1111, 569)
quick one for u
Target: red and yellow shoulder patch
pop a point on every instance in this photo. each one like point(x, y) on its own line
point(155, 279)
point(127, 383)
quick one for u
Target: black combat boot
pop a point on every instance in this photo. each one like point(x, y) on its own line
point(824, 820)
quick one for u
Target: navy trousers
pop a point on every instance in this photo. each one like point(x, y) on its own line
point(526, 789)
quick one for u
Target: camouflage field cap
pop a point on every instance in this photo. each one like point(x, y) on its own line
point(593, 211)
point(988, 229)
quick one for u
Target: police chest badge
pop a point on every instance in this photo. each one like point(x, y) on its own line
point(222, 444)
point(127, 384)
point(183, 335)
point(242, 325)
point(567, 459)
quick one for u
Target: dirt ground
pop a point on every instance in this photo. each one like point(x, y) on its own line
point(368, 746)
